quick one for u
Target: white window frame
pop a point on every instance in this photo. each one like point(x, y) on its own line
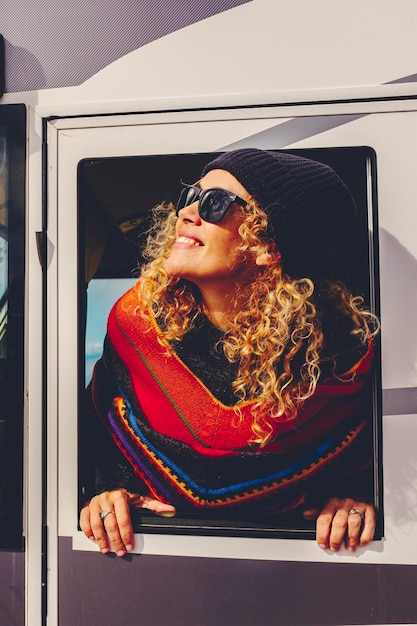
point(73, 139)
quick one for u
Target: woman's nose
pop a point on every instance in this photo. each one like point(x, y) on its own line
point(190, 213)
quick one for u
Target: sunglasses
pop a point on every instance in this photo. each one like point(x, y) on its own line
point(212, 203)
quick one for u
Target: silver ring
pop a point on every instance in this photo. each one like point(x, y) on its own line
point(104, 514)
point(356, 512)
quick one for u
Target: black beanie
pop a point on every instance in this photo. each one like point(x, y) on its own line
point(307, 203)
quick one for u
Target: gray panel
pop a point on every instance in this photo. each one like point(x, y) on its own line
point(64, 43)
point(402, 401)
point(97, 590)
point(12, 589)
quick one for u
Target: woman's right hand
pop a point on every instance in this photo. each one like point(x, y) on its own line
point(106, 518)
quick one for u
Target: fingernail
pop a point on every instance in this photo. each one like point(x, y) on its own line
point(91, 538)
point(105, 550)
point(120, 553)
point(167, 514)
point(322, 546)
point(350, 548)
point(129, 547)
point(334, 549)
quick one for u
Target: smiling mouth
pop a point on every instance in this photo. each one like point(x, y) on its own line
point(188, 241)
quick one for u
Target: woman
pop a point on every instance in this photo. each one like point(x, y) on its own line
point(233, 376)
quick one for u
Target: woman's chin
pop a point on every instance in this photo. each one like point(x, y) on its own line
point(173, 269)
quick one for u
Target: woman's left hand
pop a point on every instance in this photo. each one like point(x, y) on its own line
point(345, 520)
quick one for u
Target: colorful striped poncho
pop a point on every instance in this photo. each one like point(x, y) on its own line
point(189, 448)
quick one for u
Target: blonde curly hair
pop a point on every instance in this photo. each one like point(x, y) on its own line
point(276, 326)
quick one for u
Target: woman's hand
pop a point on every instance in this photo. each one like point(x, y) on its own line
point(106, 518)
point(344, 520)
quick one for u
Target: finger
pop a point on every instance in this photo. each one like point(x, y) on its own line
point(124, 541)
point(97, 526)
point(354, 523)
point(161, 508)
point(111, 526)
point(362, 529)
point(311, 513)
point(338, 529)
point(369, 525)
point(324, 523)
point(85, 522)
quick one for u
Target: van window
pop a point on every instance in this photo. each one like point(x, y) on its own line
point(116, 196)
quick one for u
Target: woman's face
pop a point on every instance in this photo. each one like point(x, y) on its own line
point(207, 254)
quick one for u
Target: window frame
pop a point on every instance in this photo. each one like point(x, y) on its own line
point(115, 135)
point(365, 193)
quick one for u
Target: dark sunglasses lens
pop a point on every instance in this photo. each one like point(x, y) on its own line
point(214, 204)
point(187, 196)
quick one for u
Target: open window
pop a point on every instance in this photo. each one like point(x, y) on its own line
point(115, 196)
point(12, 262)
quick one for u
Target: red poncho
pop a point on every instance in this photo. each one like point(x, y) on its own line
point(192, 450)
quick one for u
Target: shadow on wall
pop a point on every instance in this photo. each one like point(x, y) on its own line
point(399, 312)
point(72, 46)
point(399, 306)
point(400, 470)
point(23, 70)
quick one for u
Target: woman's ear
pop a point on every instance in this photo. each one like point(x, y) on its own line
point(268, 257)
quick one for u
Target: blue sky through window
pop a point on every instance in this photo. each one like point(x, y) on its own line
point(102, 293)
